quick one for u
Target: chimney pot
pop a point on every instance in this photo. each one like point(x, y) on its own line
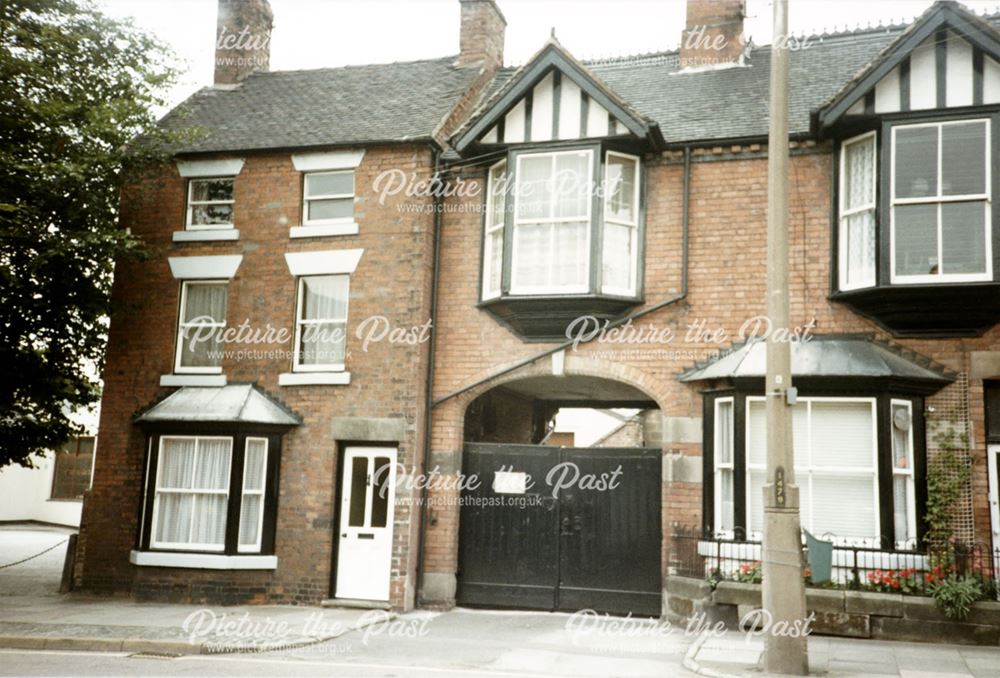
point(242, 39)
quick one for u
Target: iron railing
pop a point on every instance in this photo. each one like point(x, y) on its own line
point(857, 564)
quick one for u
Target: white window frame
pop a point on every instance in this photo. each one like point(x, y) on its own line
point(262, 493)
point(719, 466)
point(805, 475)
point(297, 366)
point(528, 290)
point(181, 326)
point(634, 225)
point(192, 203)
point(489, 228)
point(939, 200)
point(908, 473)
point(844, 213)
point(306, 198)
point(188, 546)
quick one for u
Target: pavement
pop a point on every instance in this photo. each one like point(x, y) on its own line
point(43, 632)
point(34, 615)
point(736, 654)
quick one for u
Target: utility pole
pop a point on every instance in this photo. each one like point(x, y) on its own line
point(784, 595)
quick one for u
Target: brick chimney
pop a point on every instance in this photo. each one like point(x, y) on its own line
point(482, 34)
point(714, 33)
point(242, 39)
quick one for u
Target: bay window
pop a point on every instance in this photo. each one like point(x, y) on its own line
point(211, 492)
point(562, 238)
point(321, 323)
point(940, 202)
point(201, 321)
point(851, 490)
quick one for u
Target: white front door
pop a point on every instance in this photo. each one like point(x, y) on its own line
point(993, 468)
point(364, 555)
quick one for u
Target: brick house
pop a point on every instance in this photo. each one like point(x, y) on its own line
point(600, 243)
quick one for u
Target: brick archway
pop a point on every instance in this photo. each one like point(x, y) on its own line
point(441, 543)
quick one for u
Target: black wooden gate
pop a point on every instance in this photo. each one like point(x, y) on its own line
point(585, 547)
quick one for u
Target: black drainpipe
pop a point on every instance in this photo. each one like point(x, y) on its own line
point(685, 220)
point(422, 509)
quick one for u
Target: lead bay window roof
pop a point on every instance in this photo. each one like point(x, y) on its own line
point(234, 403)
point(829, 357)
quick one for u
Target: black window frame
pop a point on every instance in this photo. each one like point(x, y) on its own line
point(883, 126)
point(239, 435)
point(600, 150)
point(884, 398)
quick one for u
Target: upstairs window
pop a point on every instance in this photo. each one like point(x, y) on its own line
point(574, 224)
point(328, 198)
point(552, 223)
point(199, 328)
point(621, 224)
point(857, 212)
point(496, 208)
point(210, 203)
point(940, 202)
point(321, 325)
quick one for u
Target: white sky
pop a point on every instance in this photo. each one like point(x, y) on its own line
point(321, 33)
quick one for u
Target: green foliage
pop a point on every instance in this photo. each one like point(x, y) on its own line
point(955, 594)
point(76, 87)
point(946, 481)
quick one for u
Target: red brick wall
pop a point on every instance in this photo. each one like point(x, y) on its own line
point(392, 280)
point(726, 286)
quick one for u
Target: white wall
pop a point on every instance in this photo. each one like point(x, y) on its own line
point(24, 495)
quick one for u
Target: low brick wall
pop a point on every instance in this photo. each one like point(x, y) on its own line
point(854, 614)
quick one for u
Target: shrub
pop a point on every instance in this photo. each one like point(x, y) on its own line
point(956, 593)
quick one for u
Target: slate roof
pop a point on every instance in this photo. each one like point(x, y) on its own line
point(732, 103)
point(827, 356)
point(407, 101)
point(350, 105)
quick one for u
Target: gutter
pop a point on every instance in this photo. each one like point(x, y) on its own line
point(685, 226)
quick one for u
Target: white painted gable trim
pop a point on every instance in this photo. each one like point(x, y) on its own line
point(229, 167)
point(324, 262)
point(205, 268)
point(334, 160)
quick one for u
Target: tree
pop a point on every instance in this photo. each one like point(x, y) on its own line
point(76, 87)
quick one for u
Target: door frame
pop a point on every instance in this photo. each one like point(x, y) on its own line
point(338, 480)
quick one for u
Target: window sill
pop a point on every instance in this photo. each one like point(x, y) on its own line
point(67, 500)
point(314, 379)
point(202, 561)
point(207, 235)
point(322, 230)
point(193, 380)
